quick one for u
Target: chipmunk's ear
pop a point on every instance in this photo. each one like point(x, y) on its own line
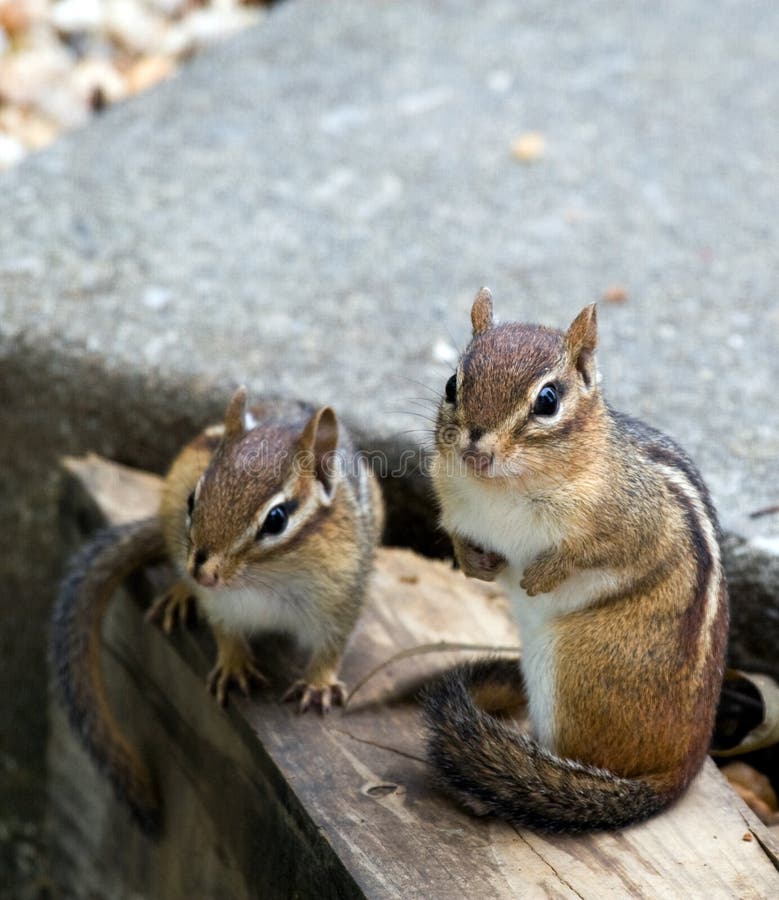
point(481, 312)
point(235, 415)
point(581, 340)
point(318, 443)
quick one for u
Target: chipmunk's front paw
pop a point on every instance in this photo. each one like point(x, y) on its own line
point(544, 574)
point(234, 666)
point(322, 696)
point(177, 606)
point(476, 562)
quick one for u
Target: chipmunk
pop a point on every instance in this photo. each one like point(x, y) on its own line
point(604, 537)
point(271, 521)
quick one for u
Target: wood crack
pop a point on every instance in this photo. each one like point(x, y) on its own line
point(546, 862)
point(361, 740)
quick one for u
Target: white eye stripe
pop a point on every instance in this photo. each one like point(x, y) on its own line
point(275, 500)
point(513, 421)
point(298, 514)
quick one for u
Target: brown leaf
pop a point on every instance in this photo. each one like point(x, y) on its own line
point(617, 293)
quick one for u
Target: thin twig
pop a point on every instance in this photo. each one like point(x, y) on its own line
point(438, 647)
point(766, 511)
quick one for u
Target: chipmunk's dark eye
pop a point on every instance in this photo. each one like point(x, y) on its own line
point(451, 389)
point(547, 401)
point(191, 504)
point(275, 522)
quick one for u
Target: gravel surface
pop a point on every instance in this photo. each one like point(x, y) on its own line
point(63, 61)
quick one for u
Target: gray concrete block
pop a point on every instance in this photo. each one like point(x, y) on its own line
point(311, 207)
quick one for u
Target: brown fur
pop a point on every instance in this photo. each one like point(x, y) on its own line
point(93, 576)
point(637, 670)
point(231, 473)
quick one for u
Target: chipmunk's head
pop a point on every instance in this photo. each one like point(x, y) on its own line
point(522, 398)
point(267, 484)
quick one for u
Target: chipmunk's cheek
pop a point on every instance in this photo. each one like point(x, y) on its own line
point(450, 437)
point(232, 572)
point(510, 465)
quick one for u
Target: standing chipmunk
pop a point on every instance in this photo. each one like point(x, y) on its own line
point(271, 521)
point(604, 537)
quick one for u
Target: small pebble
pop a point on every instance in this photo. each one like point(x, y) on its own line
point(148, 71)
point(208, 26)
point(69, 16)
point(62, 104)
point(12, 151)
point(171, 9)
point(25, 78)
point(529, 147)
point(17, 15)
point(93, 75)
point(133, 27)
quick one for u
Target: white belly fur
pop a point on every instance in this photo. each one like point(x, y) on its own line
point(509, 523)
point(286, 607)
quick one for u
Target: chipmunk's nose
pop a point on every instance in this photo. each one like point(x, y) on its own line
point(204, 569)
point(207, 579)
point(477, 458)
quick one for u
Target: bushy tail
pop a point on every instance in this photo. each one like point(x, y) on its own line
point(75, 651)
point(496, 770)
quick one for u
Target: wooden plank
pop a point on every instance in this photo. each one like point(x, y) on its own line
point(355, 785)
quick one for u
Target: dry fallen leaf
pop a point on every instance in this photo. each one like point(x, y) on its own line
point(617, 293)
point(740, 773)
point(529, 147)
point(767, 732)
point(755, 790)
point(16, 16)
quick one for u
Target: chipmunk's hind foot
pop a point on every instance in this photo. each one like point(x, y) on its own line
point(323, 697)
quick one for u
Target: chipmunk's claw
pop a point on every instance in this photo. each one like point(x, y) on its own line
point(324, 697)
point(176, 606)
point(227, 672)
point(544, 574)
point(476, 562)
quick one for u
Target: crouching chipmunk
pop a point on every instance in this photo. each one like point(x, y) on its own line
point(271, 521)
point(604, 537)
